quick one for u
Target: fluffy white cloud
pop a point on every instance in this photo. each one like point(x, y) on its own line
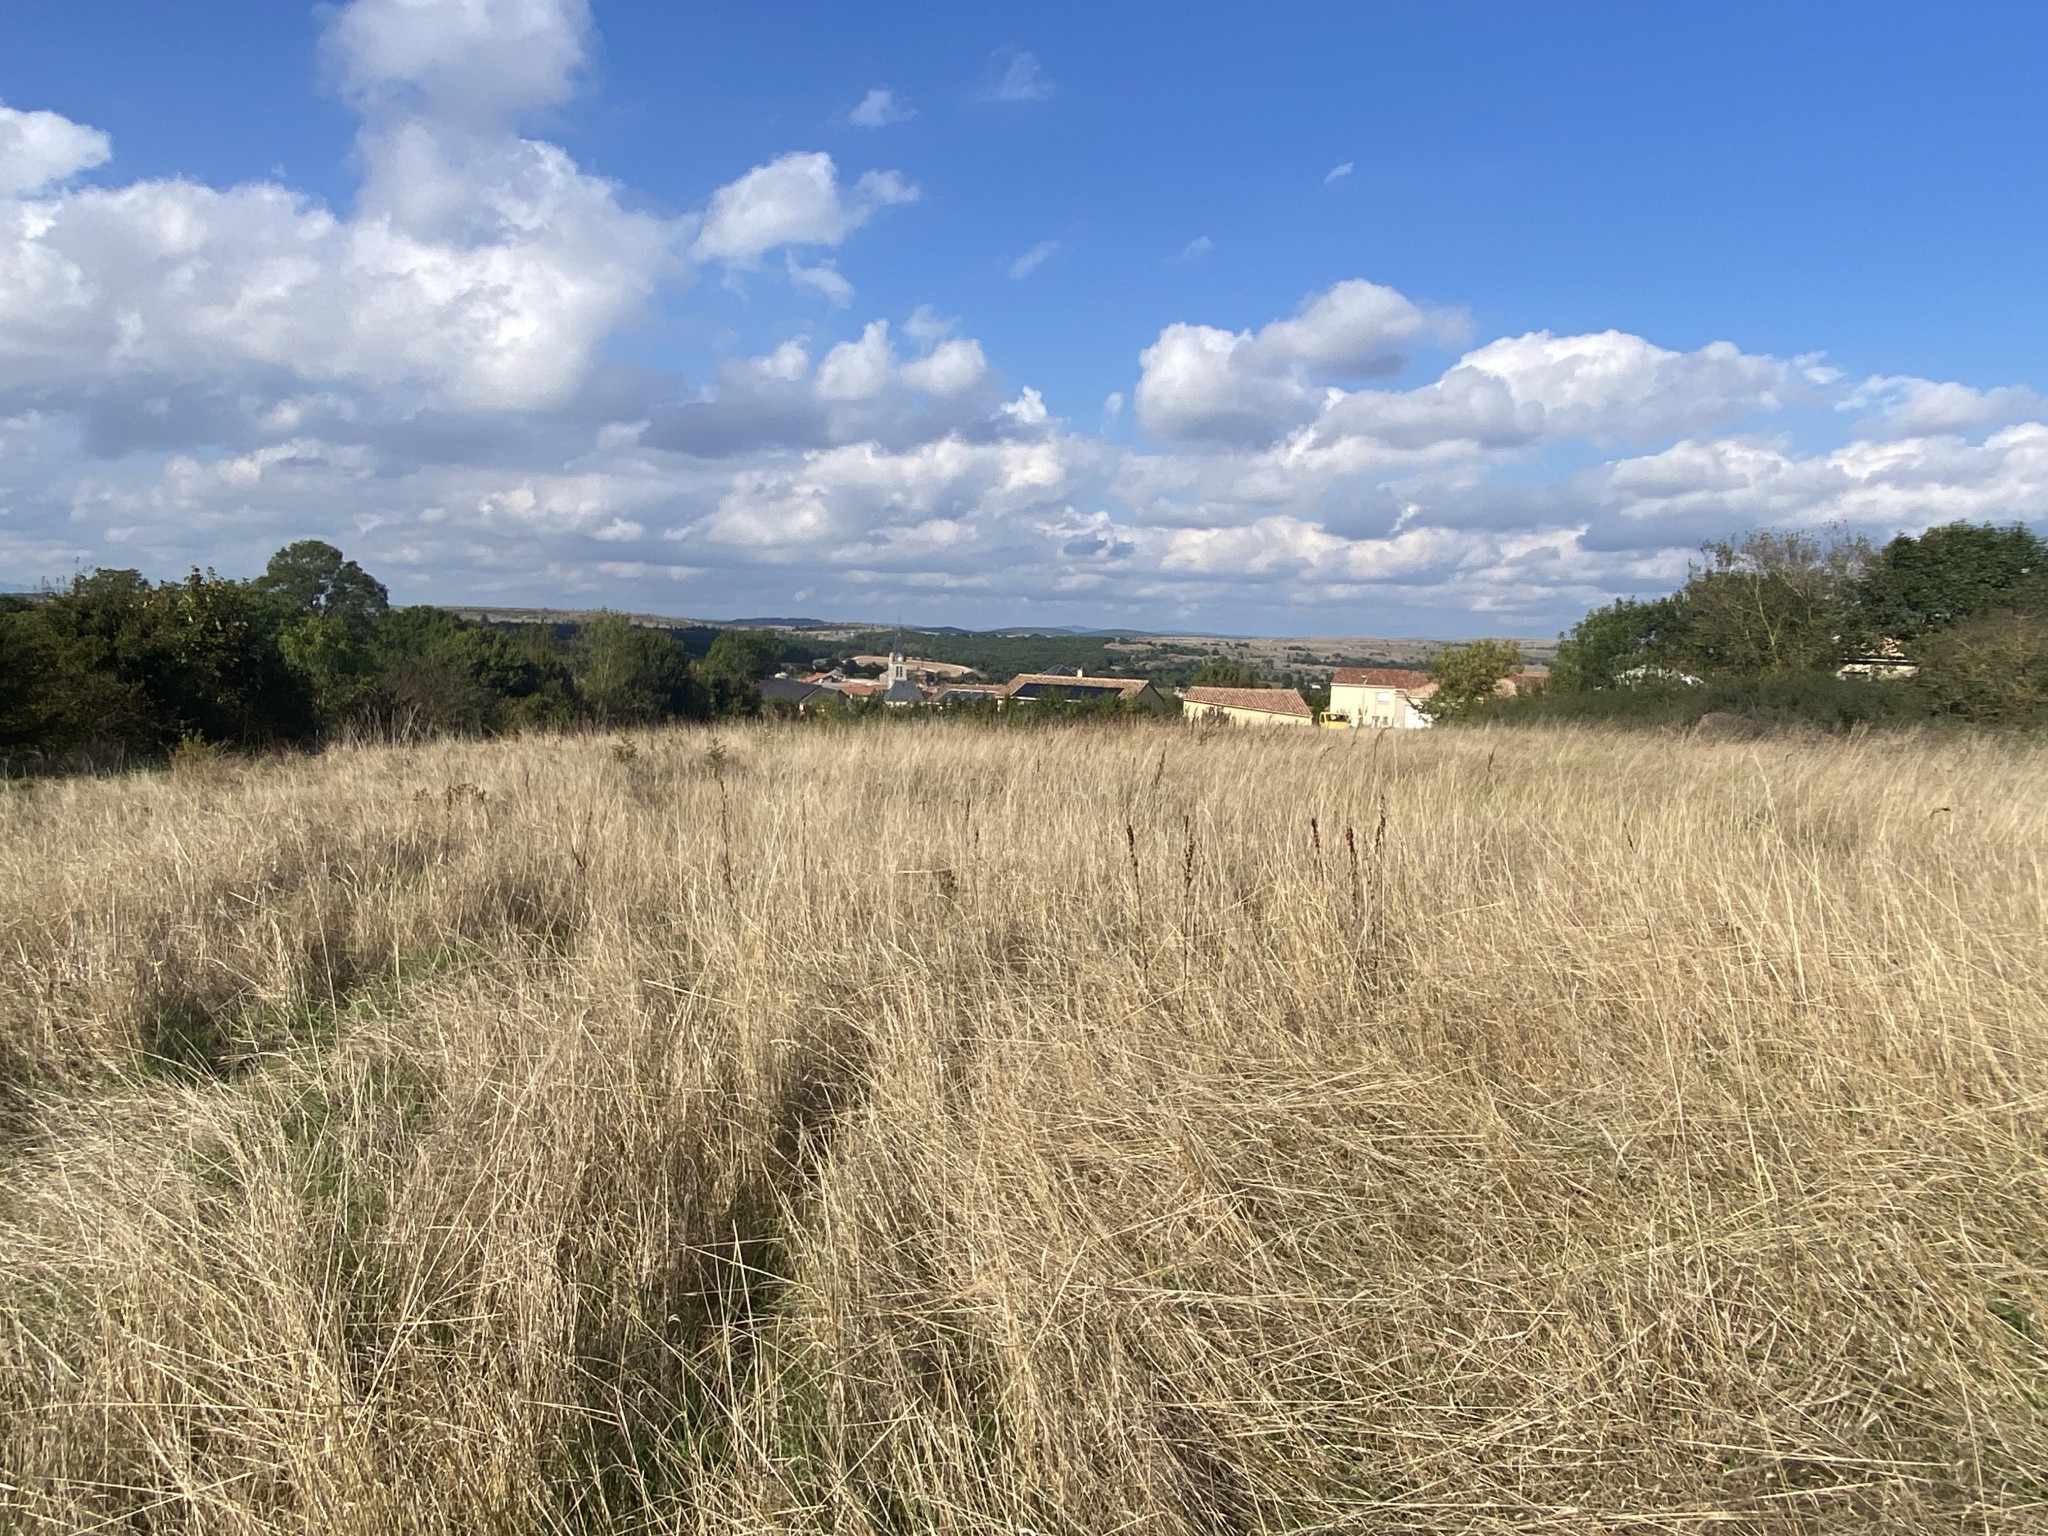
point(1910, 407)
point(176, 279)
point(879, 108)
point(860, 390)
point(1909, 483)
point(1605, 387)
point(856, 503)
point(1193, 384)
point(194, 375)
point(857, 370)
point(822, 278)
point(951, 370)
point(474, 61)
point(1199, 382)
point(479, 266)
point(37, 148)
point(793, 200)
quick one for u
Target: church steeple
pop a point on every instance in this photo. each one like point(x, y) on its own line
point(900, 689)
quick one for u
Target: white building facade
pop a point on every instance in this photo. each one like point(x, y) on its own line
point(1385, 698)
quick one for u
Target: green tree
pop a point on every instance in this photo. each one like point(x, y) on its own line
point(1770, 604)
point(634, 675)
point(1610, 643)
point(1953, 573)
point(59, 690)
point(315, 577)
point(1219, 673)
point(221, 670)
point(744, 655)
point(438, 673)
point(1991, 668)
point(54, 698)
point(337, 666)
point(1468, 675)
point(194, 658)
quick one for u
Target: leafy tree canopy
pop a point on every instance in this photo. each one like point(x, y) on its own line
point(315, 577)
point(1993, 667)
point(1953, 573)
point(1467, 675)
point(1769, 604)
point(1613, 644)
point(1224, 674)
point(745, 655)
point(634, 675)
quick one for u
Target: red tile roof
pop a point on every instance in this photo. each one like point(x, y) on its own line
point(1380, 677)
point(1126, 687)
point(1269, 701)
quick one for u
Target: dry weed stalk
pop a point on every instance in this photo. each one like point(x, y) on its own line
point(928, 1129)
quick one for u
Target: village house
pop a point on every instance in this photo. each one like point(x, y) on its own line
point(1247, 706)
point(966, 693)
point(1888, 660)
point(792, 695)
point(1383, 697)
point(1137, 691)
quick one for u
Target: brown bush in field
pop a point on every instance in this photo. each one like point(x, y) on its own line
point(1120, 1128)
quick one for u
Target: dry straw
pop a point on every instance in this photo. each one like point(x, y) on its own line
point(1099, 1130)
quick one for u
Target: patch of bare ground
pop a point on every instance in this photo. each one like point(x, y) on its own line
point(1101, 1129)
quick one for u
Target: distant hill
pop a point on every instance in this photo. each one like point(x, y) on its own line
point(1002, 653)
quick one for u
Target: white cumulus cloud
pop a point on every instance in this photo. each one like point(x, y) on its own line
point(793, 200)
point(478, 265)
point(192, 375)
point(475, 61)
point(950, 370)
point(1198, 381)
point(824, 278)
point(37, 148)
point(1908, 407)
point(1610, 386)
point(858, 370)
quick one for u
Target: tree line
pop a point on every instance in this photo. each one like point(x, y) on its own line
point(1951, 623)
point(115, 668)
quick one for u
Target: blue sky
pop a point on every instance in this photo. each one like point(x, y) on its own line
point(1442, 319)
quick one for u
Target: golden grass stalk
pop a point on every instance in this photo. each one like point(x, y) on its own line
point(928, 1129)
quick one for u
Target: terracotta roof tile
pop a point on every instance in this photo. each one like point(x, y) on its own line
point(1381, 677)
point(1270, 701)
point(1126, 687)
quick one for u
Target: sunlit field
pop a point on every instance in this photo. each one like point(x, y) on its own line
point(1118, 1128)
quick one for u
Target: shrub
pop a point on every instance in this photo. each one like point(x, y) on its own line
point(1993, 669)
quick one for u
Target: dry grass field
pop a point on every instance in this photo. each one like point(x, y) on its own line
point(923, 1128)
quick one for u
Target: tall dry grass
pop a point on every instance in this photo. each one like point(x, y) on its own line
point(1109, 1130)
